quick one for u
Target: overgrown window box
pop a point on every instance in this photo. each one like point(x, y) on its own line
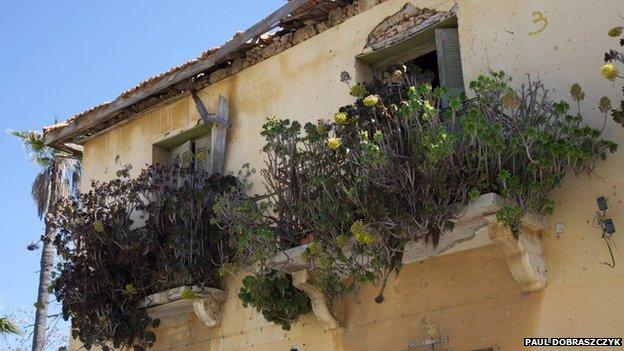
point(395, 178)
point(398, 176)
point(475, 227)
point(137, 249)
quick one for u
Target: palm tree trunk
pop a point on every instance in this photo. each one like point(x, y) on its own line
point(45, 273)
point(45, 277)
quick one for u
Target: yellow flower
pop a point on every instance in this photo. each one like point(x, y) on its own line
point(188, 294)
point(609, 71)
point(131, 289)
point(357, 90)
point(370, 100)
point(362, 233)
point(397, 76)
point(427, 107)
point(342, 240)
point(341, 118)
point(98, 226)
point(334, 143)
point(615, 32)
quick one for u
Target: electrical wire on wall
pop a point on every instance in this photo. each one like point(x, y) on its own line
point(607, 227)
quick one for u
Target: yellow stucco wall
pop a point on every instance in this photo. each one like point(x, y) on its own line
point(470, 295)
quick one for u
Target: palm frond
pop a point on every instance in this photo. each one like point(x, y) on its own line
point(31, 139)
point(40, 191)
point(35, 147)
point(76, 176)
point(60, 170)
point(70, 171)
point(8, 327)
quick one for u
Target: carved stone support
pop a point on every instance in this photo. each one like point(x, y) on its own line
point(524, 254)
point(208, 311)
point(304, 280)
point(204, 302)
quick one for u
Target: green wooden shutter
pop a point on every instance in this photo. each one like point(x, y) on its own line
point(449, 60)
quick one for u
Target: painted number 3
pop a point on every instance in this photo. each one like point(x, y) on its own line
point(540, 20)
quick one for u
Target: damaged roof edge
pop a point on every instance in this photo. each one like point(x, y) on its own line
point(58, 134)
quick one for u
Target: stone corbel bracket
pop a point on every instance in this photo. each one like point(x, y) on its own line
point(523, 251)
point(303, 280)
point(208, 310)
point(293, 261)
point(476, 226)
point(206, 303)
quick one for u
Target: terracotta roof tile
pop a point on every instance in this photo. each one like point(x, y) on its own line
point(315, 10)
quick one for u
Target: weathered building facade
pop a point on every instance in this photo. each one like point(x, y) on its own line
point(469, 296)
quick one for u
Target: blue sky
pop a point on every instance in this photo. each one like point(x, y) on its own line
point(58, 58)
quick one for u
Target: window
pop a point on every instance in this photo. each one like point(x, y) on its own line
point(192, 152)
point(202, 146)
point(185, 148)
point(430, 51)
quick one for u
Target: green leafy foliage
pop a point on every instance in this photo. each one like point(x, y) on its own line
point(398, 165)
point(274, 296)
point(511, 217)
point(131, 237)
point(258, 237)
point(8, 327)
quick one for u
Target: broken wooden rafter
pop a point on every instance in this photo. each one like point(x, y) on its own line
point(218, 135)
point(173, 93)
point(72, 149)
point(205, 115)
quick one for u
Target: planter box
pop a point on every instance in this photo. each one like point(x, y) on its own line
point(204, 302)
point(467, 234)
point(476, 226)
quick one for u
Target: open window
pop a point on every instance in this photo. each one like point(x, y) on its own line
point(424, 41)
point(201, 146)
point(186, 148)
point(194, 153)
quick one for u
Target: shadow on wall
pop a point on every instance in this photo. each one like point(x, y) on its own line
point(469, 297)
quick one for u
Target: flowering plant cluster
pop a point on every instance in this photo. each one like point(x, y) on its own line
point(131, 237)
point(397, 166)
point(611, 72)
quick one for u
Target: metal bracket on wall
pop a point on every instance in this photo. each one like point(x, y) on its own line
point(411, 345)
